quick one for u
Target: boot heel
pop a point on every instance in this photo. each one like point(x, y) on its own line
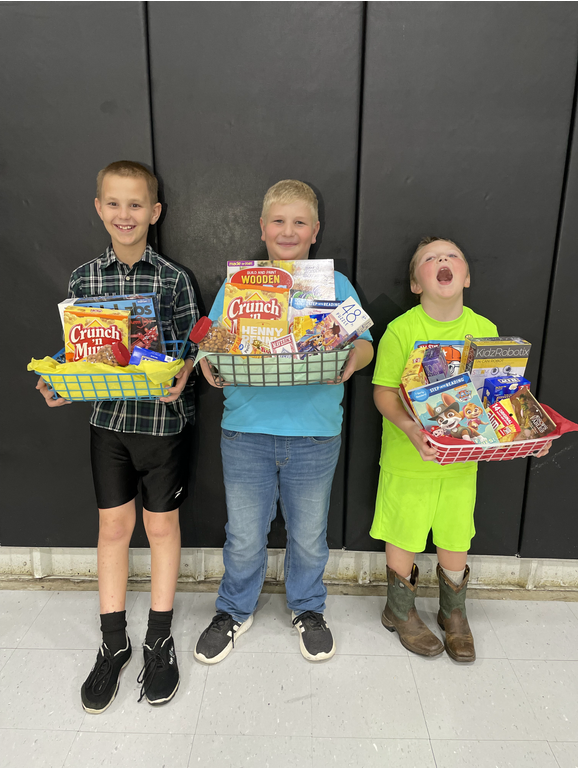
point(387, 624)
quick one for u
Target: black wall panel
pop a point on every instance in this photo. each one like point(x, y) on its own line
point(245, 94)
point(550, 522)
point(74, 97)
point(466, 115)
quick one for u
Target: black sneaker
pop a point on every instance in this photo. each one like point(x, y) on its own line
point(218, 639)
point(159, 677)
point(316, 641)
point(101, 686)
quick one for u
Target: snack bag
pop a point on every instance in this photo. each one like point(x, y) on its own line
point(533, 420)
point(86, 329)
point(217, 339)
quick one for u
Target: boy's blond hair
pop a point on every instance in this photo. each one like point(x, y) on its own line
point(427, 241)
point(133, 170)
point(290, 191)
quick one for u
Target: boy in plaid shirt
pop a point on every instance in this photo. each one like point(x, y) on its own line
point(134, 440)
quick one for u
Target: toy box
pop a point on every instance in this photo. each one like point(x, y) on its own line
point(452, 349)
point(306, 279)
point(435, 364)
point(484, 358)
point(452, 408)
point(338, 329)
point(498, 387)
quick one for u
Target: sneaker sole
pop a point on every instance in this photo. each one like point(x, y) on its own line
point(157, 702)
point(229, 647)
point(319, 656)
point(98, 711)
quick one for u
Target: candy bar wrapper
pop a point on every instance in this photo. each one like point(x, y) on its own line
point(533, 420)
point(86, 329)
point(502, 418)
point(339, 328)
point(255, 304)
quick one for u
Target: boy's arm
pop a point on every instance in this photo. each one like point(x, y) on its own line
point(389, 404)
point(360, 357)
point(185, 315)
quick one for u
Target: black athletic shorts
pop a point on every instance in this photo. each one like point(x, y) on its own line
point(119, 460)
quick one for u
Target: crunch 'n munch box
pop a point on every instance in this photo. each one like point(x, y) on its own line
point(86, 329)
point(255, 304)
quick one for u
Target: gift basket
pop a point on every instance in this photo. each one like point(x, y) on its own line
point(281, 326)
point(96, 364)
point(475, 414)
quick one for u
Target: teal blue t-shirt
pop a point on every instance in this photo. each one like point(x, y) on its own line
point(312, 410)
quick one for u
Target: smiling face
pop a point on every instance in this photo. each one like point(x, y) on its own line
point(440, 271)
point(127, 211)
point(289, 230)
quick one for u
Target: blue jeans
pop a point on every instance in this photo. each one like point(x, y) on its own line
point(259, 469)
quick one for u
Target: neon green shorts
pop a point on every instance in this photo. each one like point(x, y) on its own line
point(406, 510)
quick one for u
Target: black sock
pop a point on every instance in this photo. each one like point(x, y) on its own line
point(158, 626)
point(113, 629)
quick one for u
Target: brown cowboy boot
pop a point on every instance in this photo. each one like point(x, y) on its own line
point(452, 617)
point(400, 614)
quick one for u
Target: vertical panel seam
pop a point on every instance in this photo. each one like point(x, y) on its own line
point(551, 284)
point(350, 389)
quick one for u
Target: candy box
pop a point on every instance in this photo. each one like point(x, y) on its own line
point(434, 364)
point(533, 420)
point(503, 420)
point(86, 329)
point(498, 387)
point(284, 346)
point(454, 407)
point(486, 357)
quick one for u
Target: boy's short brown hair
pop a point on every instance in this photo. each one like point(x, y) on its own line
point(427, 241)
point(132, 170)
point(290, 191)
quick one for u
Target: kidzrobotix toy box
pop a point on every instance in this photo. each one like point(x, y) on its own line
point(452, 408)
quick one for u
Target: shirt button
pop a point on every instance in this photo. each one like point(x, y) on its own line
point(127, 278)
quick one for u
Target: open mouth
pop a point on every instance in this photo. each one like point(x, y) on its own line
point(445, 276)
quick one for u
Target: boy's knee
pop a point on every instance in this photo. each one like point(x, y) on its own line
point(159, 526)
point(115, 530)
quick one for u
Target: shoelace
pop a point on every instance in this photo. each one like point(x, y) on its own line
point(153, 663)
point(218, 624)
point(311, 620)
point(101, 674)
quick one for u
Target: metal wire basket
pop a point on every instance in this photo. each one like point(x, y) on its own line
point(277, 370)
point(117, 385)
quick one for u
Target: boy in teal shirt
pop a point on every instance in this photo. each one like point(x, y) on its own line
point(280, 443)
point(416, 494)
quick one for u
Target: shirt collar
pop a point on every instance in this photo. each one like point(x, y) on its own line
point(109, 257)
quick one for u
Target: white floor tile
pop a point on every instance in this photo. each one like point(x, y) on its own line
point(259, 694)
point(367, 697)
point(71, 620)
point(566, 753)
point(192, 612)
point(552, 690)
point(373, 753)
point(5, 654)
point(355, 622)
point(252, 752)
point(127, 750)
point(574, 608)
point(493, 754)
point(487, 645)
point(18, 610)
point(128, 715)
point(41, 749)
point(41, 689)
point(482, 700)
point(272, 630)
point(534, 630)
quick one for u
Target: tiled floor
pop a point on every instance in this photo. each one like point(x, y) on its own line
point(373, 704)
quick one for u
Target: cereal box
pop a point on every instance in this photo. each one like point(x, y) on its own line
point(86, 329)
point(484, 358)
point(453, 408)
point(257, 304)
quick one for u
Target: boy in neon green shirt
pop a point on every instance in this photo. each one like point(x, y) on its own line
point(416, 494)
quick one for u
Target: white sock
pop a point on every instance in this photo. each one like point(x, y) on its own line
point(456, 577)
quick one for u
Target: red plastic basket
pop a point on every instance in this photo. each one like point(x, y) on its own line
point(452, 451)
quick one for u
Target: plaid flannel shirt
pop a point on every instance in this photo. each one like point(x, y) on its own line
point(177, 308)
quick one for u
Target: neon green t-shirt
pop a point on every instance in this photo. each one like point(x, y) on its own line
point(398, 455)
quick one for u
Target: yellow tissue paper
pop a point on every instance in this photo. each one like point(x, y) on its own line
point(96, 381)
